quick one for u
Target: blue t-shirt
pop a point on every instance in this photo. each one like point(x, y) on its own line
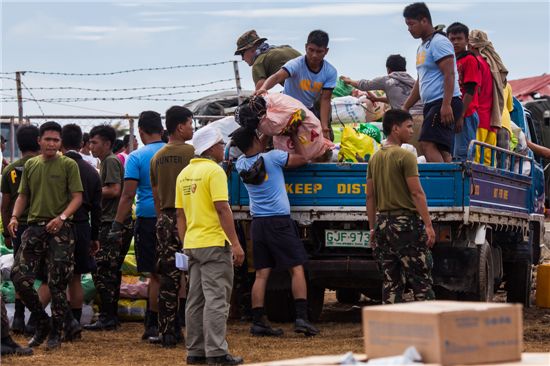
point(429, 75)
point(306, 85)
point(268, 198)
point(137, 168)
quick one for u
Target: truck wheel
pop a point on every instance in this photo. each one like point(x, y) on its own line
point(315, 301)
point(279, 306)
point(518, 283)
point(486, 282)
point(348, 296)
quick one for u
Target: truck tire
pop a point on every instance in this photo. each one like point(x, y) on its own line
point(315, 301)
point(348, 296)
point(518, 283)
point(486, 281)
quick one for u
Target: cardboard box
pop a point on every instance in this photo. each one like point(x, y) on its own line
point(445, 332)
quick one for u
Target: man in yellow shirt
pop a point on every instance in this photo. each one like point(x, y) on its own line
point(206, 229)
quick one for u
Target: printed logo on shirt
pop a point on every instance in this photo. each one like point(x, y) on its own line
point(306, 85)
point(420, 57)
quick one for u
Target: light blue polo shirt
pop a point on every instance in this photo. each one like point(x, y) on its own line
point(429, 75)
point(268, 198)
point(306, 85)
point(137, 168)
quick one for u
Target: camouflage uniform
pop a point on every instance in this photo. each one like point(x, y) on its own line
point(58, 251)
point(5, 320)
point(404, 257)
point(109, 259)
point(168, 244)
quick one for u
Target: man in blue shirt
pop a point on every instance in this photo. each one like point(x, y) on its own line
point(274, 234)
point(137, 180)
point(437, 85)
point(309, 78)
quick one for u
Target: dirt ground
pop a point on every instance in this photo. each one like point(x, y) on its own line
point(340, 332)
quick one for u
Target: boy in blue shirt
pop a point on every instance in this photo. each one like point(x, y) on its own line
point(274, 234)
point(137, 180)
point(309, 78)
point(437, 85)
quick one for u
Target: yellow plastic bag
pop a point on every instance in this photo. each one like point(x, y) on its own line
point(356, 147)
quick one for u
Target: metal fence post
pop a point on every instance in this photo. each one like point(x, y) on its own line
point(238, 81)
point(131, 140)
point(12, 139)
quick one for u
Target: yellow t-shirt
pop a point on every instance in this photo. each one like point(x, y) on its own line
point(508, 107)
point(198, 186)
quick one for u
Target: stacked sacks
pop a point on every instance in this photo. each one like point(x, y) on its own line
point(133, 289)
point(294, 128)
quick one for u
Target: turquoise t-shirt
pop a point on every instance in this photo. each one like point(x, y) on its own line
point(429, 75)
point(306, 85)
point(268, 198)
point(137, 168)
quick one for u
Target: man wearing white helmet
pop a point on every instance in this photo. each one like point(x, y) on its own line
point(206, 229)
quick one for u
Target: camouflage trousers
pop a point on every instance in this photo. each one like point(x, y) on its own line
point(108, 275)
point(168, 244)
point(5, 320)
point(56, 252)
point(404, 257)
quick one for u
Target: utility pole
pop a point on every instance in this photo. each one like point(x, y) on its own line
point(238, 81)
point(131, 130)
point(19, 96)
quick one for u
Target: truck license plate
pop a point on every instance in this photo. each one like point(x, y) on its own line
point(347, 238)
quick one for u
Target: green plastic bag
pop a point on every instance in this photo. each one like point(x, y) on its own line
point(3, 248)
point(370, 130)
point(341, 89)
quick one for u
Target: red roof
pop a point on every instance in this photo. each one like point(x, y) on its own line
point(523, 88)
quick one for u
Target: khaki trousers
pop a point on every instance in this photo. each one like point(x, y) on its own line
point(207, 308)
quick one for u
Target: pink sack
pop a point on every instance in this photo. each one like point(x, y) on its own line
point(294, 127)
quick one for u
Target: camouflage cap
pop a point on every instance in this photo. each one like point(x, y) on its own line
point(247, 40)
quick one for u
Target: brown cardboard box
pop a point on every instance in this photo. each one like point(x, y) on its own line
point(445, 332)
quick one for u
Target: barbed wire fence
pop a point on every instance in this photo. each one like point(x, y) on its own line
point(123, 123)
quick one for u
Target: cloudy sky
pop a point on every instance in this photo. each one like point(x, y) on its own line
point(109, 36)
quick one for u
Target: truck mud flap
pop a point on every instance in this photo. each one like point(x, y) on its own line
point(455, 269)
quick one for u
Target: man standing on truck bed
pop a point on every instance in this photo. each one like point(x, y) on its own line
point(399, 237)
point(274, 234)
point(264, 58)
point(309, 78)
point(437, 85)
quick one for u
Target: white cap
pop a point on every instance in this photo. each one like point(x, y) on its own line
point(206, 137)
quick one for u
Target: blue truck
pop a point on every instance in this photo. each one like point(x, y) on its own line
point(489, 223)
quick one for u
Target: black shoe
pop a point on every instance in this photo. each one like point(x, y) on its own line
point(43, 328)
point(103, 323)
point(10, 347)
point(151, 331)
point(196, 360)
point(303, 326)
point(54, 340)
point(261, 329)
point(169, 340)
point(72, 330)
point(30, 328)
point(18, 324)
point(224, 360)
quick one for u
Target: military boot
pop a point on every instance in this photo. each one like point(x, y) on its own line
point(18, 324)
point(71, 328)
point(43, 328)
point(54, 339)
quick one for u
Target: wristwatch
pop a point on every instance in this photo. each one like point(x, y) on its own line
point(63, 217)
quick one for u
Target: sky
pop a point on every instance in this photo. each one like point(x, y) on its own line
point(109, 36)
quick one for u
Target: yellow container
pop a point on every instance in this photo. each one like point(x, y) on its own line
point(543, 285)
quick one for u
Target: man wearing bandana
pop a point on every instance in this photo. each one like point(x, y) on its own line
point(264, 58)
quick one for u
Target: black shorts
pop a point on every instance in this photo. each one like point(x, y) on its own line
point(145, 244)
point(276, 243)
point(432, 128)
point(83, 261)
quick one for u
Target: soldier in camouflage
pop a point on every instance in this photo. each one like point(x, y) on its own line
point(403, 233)
point(52, 189)
point(166, 165)
point(111, 254)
